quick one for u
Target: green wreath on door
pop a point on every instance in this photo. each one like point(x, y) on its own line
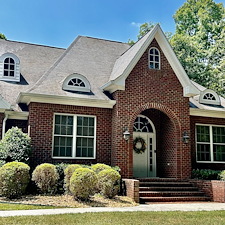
point(139, 145)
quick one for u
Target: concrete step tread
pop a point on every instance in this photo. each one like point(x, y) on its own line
point(147, 192)
point(168, 188)
point(177, 198)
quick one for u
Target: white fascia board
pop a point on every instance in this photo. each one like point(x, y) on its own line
point(64, 100)
point(207, 113)
point(17, 115)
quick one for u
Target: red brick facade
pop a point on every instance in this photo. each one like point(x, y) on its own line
point(159, 95)
point(41, 131)
point(203, 120)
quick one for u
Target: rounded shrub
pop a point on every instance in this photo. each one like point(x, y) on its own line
point(99, 167)
point(14, 178)
point(108, 182)
point(68, 173)
point(222, 175)
point(45, 177)
point(2, 162)
point(15, 146)
point(83, 183)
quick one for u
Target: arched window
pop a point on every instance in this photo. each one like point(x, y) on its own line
point(9, 67)
point(154, 58)
point(76, 82)
point(209, 97)
point(142, 124)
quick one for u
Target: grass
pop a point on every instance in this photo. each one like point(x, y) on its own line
point(10, 206)
point(123, 218)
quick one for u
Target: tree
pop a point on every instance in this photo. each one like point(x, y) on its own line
point(144, 29)
point(2, 36)
point(199, 41)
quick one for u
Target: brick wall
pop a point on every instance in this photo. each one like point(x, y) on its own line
point(132, 189)
point(41, 130)
point(160, 90)
point(204, 120)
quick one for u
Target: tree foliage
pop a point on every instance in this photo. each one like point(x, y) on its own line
point(144, 29)
point(199, 41)
point(2, 36)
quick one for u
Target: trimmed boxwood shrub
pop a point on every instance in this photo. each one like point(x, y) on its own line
point(99, 167)
point(83, 183)
point(222, 175)
point(45, 177)
point(14, 178)
point(2, 162)
point(68, 173)
point(205, 174)
point(109, 182)
point(15, 146)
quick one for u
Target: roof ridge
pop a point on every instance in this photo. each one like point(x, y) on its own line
point(21, 42)
point(53, 66)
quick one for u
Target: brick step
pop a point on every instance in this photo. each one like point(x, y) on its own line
point(174, 199)
point(158, 179)
point(165, 184)
point(169, 193)
point(168, 188)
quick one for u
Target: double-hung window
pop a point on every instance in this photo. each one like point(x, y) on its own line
point(74, 136)
point(210, 143)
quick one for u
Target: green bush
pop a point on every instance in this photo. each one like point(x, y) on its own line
point(68, 173)
point(99, 167)
point(205, 174)
point(45, 177)
point(60, 170)
point(109, 182)
point(15, 146)
point(222, 175)
point(14, 178)
point(83, 183)
point(2, 162)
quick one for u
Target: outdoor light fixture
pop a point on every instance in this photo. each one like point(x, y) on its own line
point(186, 137)
point(126, 134)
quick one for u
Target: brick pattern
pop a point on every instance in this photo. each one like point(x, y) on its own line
point(132, 189)
point(41, 132)
point(203, 120)
point(146, 90)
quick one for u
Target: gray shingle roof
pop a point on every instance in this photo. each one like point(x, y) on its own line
point(34, 61)
point(90, 57)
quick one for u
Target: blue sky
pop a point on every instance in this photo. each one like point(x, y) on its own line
point(59, 22)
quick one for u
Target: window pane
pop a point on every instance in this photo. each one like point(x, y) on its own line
point(85, 121)
point(57, 129)
point(79, 131)
point(6, 60)
point(11, 74)
point(151, 65)
point(91, 121)
point(203, 134)
point(203, 152)
point(57, 119)
point(219, 152)
point(79, 120)
point(85, 131)
point(218, 134)
point(11, 60)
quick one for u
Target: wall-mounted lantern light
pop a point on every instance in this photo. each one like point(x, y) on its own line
point(126, 134)
point(186, 137)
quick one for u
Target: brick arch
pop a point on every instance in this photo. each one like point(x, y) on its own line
point(159, 107)
point(176, 124)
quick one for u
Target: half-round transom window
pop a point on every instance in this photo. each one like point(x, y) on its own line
point(9, 67)
point(154, 58)
point(76, 82)
point(209, 97)
point(142, 124)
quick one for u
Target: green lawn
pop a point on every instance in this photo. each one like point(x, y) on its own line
point(6, 206)
point(126, 218)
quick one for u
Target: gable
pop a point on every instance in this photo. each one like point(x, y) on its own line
point(129, 59)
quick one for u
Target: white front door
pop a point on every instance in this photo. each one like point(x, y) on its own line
point(144, 165)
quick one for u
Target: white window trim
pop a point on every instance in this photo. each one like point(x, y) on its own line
point(74, 136)
point(207, 101)
point(16, 76)
point(211, 142)
point(67, 87)
point(154, 61)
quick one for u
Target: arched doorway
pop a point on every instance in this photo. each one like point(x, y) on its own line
point(144, 164)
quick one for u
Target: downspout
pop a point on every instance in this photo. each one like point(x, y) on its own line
point(3, 126)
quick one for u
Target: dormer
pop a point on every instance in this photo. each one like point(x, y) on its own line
point(76, 82)
point(9, 67)
point(209, 97)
